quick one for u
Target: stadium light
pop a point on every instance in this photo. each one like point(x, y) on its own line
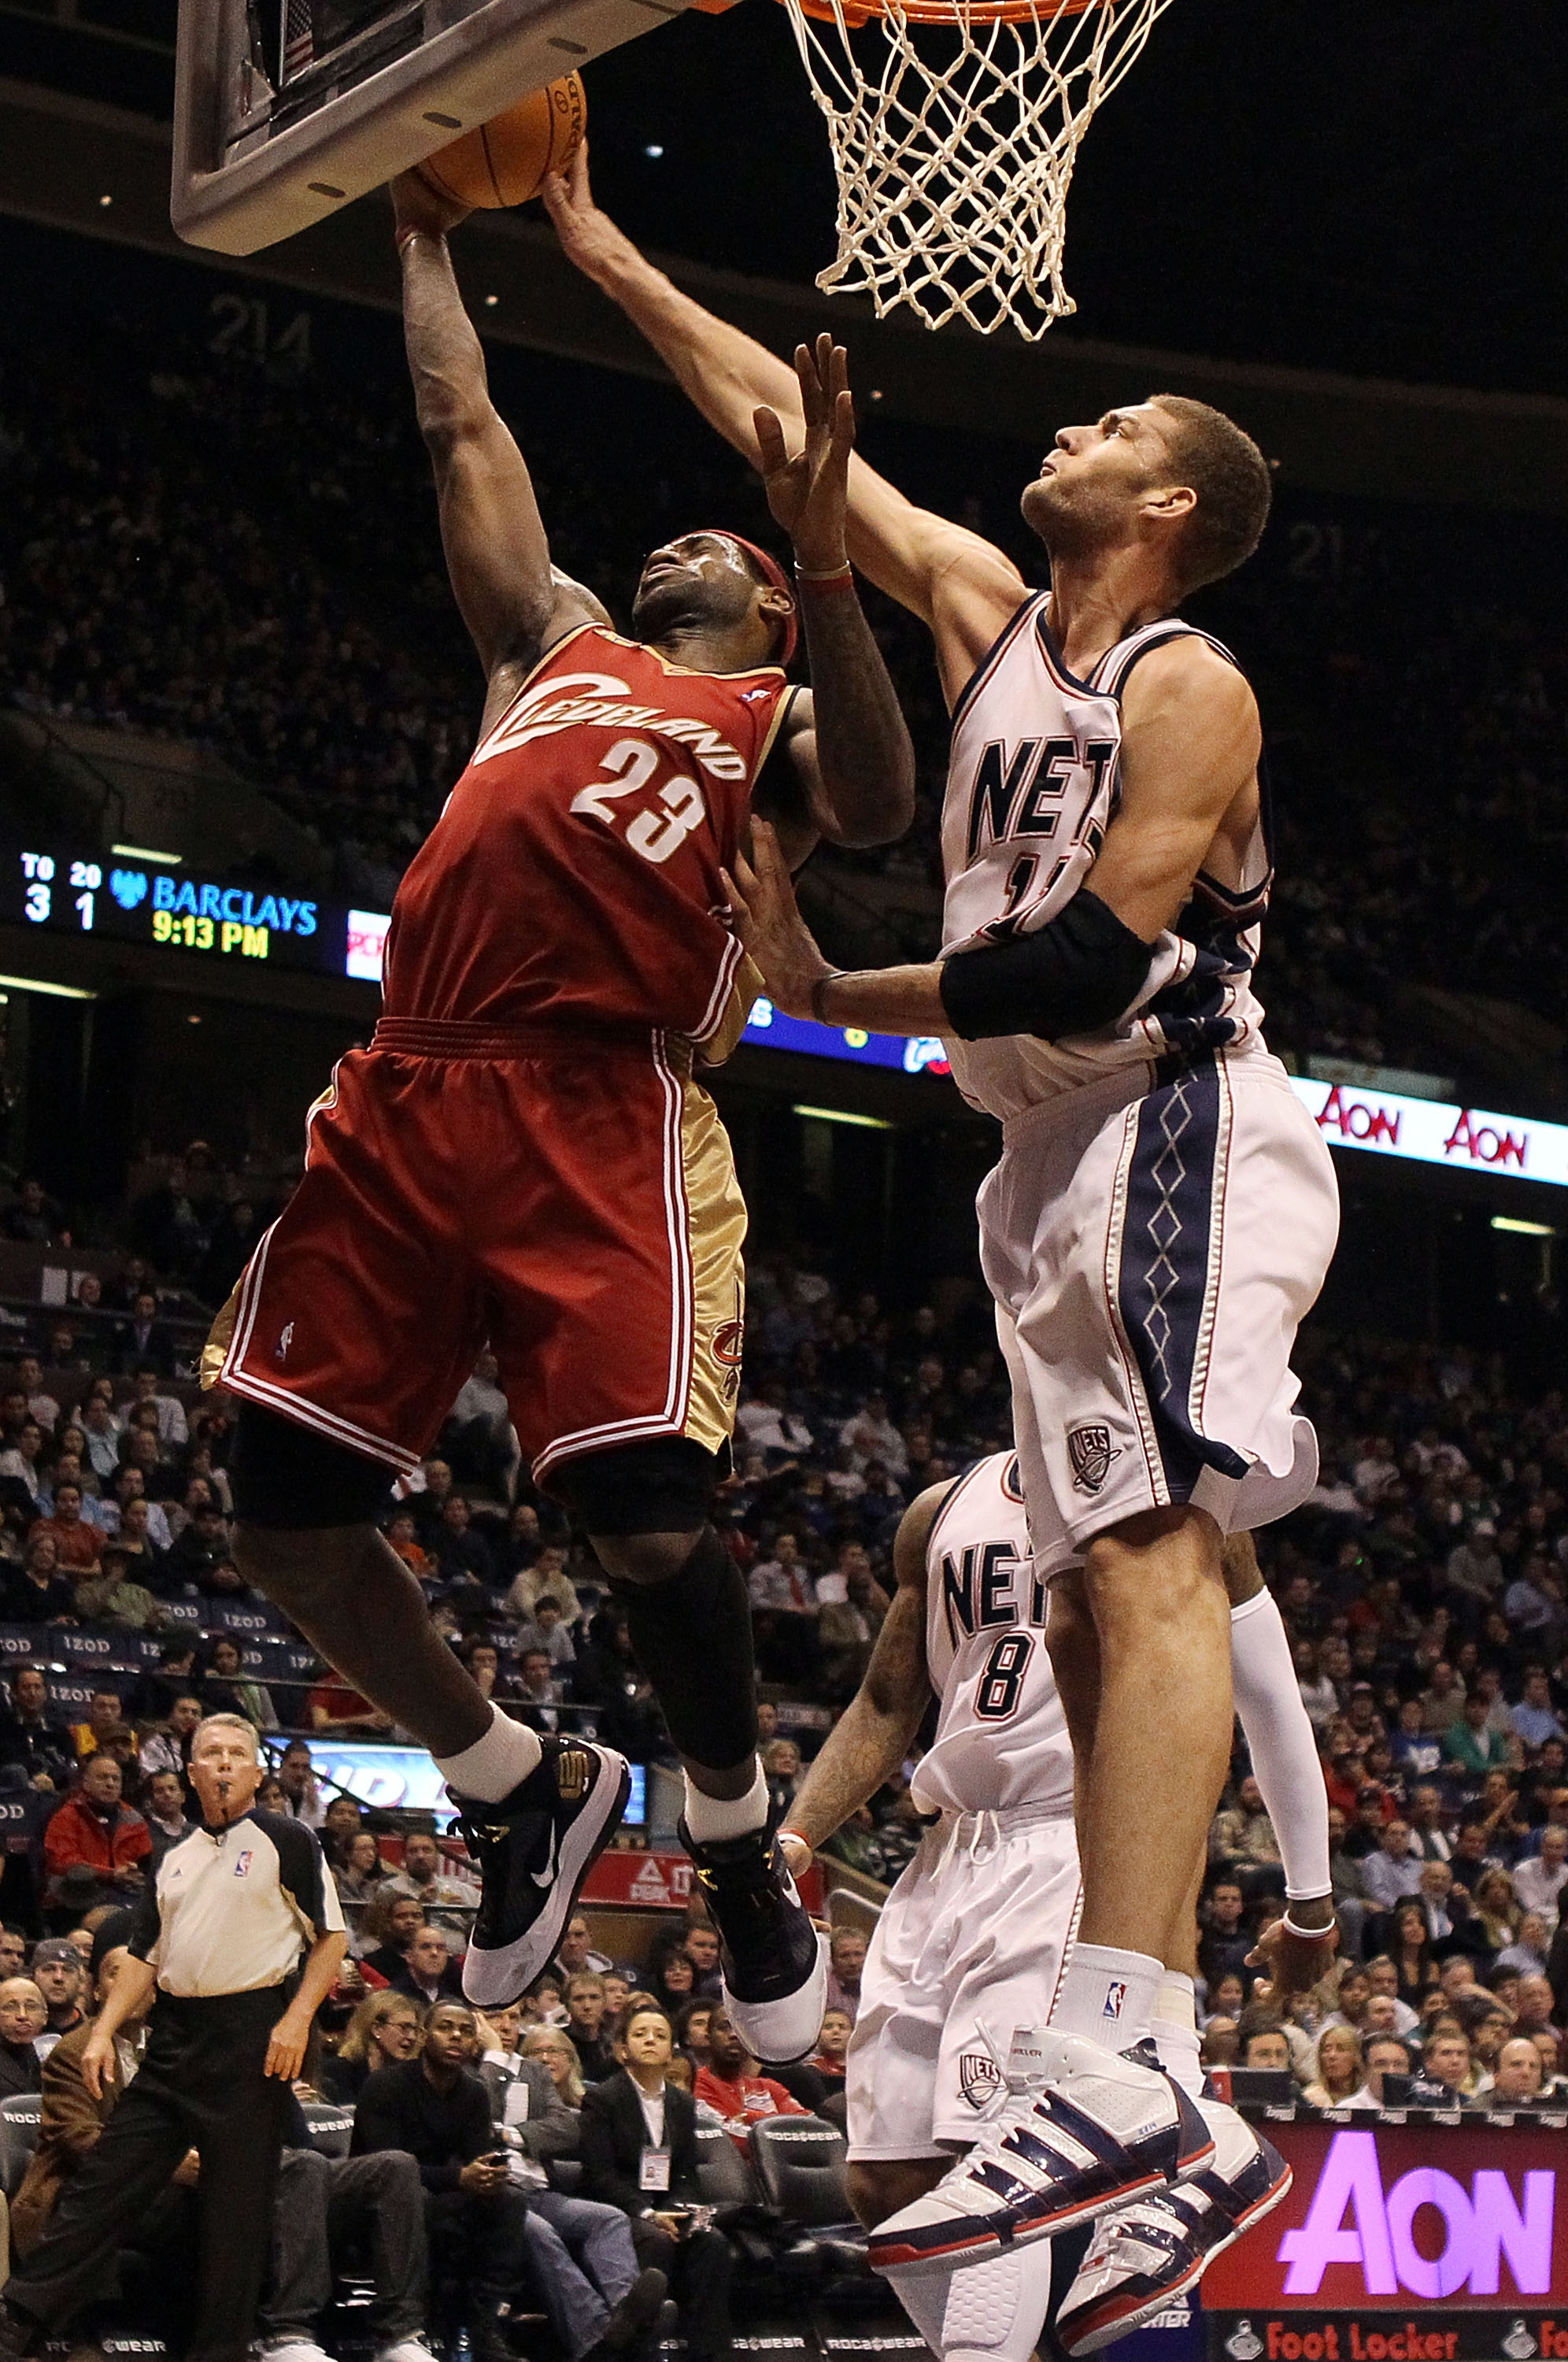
point(1525, 1230)
point(842, 1115)
point(147, 853)
point(41, 984)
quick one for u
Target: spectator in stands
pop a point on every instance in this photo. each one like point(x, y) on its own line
point(111, 1597)
point(1471, 1745)
point(104, 1714)
point(1540, 1879)
point(334, 1705)
point(1339, 2081)
point(733, 2083)
point(673, 1981)
point(57, 1971)
point(584, 1999)
point(832, 2043)
point(30, 1736)
point(228, 1688)
point(428, 1973)
point(35, 1592)
point(385, 2028)
point(539, 1694)
point(1516, 2079)
point(692, 2029)
point(201, 1553)
point(93, 1831)
point(361, 1875)
point(1496, 1915)
point(1386, 2055)
point(578, 1951)
point(556, 2052)
point(1394, 1872)
point(1264, 2046)
point(167, 1749)
point(448, 1900)
point(296, 1777)
point(163, 1808)
point(549, 1630)
point(846, 1955)
point(1446, 2064)
point(21, 1477)
point(23, 2013)
point(702, 1951)
point(1225, 1943)
point(437, 2111)
point(13, 1950)
point(639, 2147)
point(76, 1543)
point(462, 1554)
point(143, 1344)
point(388, 1928)
point(1528, 1951)
point(479, 1437)
point(33, 1217)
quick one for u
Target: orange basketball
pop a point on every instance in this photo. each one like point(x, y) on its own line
point(503, 162)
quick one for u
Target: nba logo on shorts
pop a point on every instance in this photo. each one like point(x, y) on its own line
point(1091, 1452)
point(285, 1339)
point(1115, 1999)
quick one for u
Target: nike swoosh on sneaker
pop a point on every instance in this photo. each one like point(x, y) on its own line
point(547, 1876)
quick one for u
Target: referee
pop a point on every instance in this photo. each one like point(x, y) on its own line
point(220, 1932)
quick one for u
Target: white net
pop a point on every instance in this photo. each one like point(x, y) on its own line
point(954, 130)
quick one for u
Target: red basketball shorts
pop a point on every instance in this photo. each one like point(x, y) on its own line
point(570, 1200)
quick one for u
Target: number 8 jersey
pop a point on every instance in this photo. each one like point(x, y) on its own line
point(1002, 1737)
point(573, 875)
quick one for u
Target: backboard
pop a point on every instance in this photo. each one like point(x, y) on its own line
point(287, 109)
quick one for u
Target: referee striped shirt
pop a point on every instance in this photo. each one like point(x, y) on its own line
point(230, 1909)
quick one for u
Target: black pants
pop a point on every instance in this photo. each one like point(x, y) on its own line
point(482, 2242)
point(200, 2086)
point(698, 2268)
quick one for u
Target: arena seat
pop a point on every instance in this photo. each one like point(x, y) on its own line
point(19, 2121)
point(799, 2163)
point(723, 2174)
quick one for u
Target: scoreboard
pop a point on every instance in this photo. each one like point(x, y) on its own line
point(167, 909)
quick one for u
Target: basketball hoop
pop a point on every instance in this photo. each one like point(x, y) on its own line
point(954, 127)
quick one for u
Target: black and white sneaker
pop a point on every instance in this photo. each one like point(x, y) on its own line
point(532, 1851)
point(775, 1963)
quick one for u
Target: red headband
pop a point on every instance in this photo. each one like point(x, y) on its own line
point(777, 578)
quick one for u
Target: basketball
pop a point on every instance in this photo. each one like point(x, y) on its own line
point(505, 161)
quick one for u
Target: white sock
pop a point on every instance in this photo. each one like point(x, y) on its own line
point(711, 1819)
point(1108, 1995)
point(508, 1754)
point(1174, 2028)
point(1281, 1744)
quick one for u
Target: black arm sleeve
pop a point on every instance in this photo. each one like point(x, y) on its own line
point(146, 1921)
point(1072, 976)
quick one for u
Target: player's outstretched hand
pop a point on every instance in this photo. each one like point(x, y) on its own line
point(809, 495)
point(588, 238)
point(1293, 1963)
point(418, 204)
point(769, 922)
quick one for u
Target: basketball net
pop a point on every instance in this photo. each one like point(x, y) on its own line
point(954, 127)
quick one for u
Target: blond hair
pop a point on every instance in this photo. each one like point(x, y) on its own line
point(228, 1722)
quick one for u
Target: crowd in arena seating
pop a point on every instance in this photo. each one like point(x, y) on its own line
point(246, 559)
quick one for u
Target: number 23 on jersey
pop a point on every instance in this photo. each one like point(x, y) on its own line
point(659, 828)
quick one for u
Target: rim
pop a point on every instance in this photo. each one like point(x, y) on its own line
point(939, 12)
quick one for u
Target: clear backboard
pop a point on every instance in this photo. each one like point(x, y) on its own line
point(286, 109)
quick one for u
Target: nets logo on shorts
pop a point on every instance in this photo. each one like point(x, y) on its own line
point(980, 2079)
point(1091, 1452)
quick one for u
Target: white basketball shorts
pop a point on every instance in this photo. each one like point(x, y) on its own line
point(971, 1943)
point(1153, 1247)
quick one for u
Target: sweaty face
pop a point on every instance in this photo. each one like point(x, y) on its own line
point(699, 580)
point(1086, 495)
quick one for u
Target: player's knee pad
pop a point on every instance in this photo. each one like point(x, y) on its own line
point(287, 1476)
point(692, 1635)
point(663, 1487)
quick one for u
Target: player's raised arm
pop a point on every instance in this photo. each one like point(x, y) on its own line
point(959, 584)
point(497, 554)
point(873, 1735)
point(848, 741)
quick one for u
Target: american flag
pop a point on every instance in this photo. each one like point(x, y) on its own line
point(299, 47)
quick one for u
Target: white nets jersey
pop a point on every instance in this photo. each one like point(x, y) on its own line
point(1032, 788)
point(1002, 1737)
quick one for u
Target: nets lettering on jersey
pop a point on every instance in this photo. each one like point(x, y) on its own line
point(954, 127)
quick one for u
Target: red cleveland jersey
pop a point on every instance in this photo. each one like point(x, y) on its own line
point(574, 873)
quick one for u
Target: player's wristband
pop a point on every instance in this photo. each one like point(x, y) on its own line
point(836, 579)
point(1308, 1934)
point(799, 1834)
point(818, 1011)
